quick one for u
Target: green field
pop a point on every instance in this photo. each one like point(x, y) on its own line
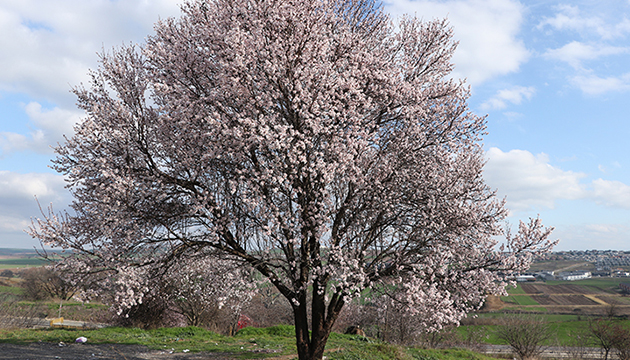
point(11, 290)
point(21, 263)
point(518, 290)
point(519, 300)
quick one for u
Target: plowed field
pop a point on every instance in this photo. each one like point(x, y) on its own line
point(536, 289)
point(563, 300)
point(615, 300)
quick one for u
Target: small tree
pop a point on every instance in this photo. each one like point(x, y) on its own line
point(621, 342)
point(201, 286)
point(577, 343)
point(603, 334)
point(46, 282)
point(318, 142)
point(525, 335)
point(7, 273)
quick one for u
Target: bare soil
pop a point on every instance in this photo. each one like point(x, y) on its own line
point(46, 351)
point(493, 303)
point(536, 289)
point(563, 300)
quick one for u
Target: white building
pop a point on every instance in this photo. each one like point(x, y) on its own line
point(574, 275)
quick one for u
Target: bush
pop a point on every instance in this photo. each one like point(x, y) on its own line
point(269, 308)
point(603, 333)
point(42, 283)
point(525, 335)
point(152, 313)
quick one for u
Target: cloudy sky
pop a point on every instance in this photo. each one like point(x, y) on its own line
point(553, 78)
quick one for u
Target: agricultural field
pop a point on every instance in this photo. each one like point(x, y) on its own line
point(16, 259)
point(587, 297)
point(19, 263)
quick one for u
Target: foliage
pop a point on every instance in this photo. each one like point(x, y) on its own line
point(314, 141)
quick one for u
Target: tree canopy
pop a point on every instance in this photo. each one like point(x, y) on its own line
point(317, 142)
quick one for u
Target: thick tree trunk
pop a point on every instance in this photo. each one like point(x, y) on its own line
point(311, 346)
point(301, 330)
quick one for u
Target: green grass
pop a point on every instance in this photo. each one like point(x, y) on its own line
point(21, 263)
point(54, 305)
point(519, 300)
point(11, 290)
point(518, 290)
point(564, 328)
point(249, 343)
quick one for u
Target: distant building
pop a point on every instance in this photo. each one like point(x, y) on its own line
point(546, 275)
point(574, 275)
point(525, 278)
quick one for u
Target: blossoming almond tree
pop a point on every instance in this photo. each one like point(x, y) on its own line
point(314, 140)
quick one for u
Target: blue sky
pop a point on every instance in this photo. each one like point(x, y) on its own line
point(553, 78)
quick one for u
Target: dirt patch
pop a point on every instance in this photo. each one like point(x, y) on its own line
point(563, 300)
point(45, 351)
point(492, 303)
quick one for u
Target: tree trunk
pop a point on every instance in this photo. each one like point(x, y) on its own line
point(311, 346)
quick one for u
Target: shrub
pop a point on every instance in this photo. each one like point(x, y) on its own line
point(42, 283)
point(525, 335)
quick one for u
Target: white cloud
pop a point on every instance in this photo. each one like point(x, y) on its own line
point(487, 32)
point(571, 18)
point(575, 52)
point(25, 186)
point(48, 129)
point(530, 181)
point(12, 224)
point(611, 193)
point(593, 236)
point(594, 85)
point(47, 46)
point(10, 142)
point(18, 204)
point(603, 33)
point(514, 95)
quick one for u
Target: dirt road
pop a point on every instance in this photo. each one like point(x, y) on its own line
point(46, 351)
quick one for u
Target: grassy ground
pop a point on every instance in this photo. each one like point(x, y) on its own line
point(519, 300)
point(518, 290)
point(14, 263)
point(249, 343)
